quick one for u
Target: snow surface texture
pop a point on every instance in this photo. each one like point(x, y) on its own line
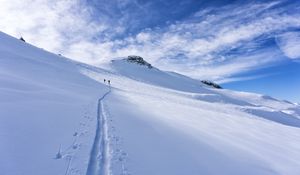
point(57, 116)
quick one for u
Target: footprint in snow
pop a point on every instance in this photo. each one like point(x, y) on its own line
point(75, 146)
point(58, 156)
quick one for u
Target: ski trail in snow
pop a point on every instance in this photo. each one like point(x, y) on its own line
point(68, 167)
point(99, 161)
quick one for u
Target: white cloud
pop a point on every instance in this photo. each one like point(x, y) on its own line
point(244, 78)
point(49, 24)
point(203, 42)
point(289, 43)
point(222, 72)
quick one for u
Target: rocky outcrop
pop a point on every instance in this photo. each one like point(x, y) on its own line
point(138, 60)
point(22, 39)
point(212, 84)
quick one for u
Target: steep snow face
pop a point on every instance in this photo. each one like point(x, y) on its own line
point(58, 116)
point(46, 105)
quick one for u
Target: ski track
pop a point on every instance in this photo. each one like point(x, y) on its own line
point(99, 158)
point(69, 164)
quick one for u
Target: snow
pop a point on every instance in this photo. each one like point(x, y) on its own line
point(44, 100)
point(148, 122)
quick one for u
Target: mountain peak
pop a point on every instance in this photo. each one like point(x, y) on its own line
point(138, 60)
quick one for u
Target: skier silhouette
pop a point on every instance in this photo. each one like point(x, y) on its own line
point(104, 80)
point(108, 82)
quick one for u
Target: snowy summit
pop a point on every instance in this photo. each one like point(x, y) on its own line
point(138, 60)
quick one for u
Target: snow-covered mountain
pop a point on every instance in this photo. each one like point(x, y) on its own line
point(58, 116)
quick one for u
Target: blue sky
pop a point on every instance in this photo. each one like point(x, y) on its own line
point(245, 45)
point(280, 81)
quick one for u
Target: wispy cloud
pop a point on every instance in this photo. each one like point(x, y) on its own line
point(243, 78)
point(50, 24)
point(212, 43)
point(289, 44)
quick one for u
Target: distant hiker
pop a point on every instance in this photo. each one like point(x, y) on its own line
point(22, 39)
point(108, 82)
point(104, 80)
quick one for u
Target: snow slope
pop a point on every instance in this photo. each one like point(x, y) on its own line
point(45, 104)
point(148, 122)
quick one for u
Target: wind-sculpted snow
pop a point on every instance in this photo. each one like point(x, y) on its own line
point(54, 119)
point(276, 116)
point(218, 98)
